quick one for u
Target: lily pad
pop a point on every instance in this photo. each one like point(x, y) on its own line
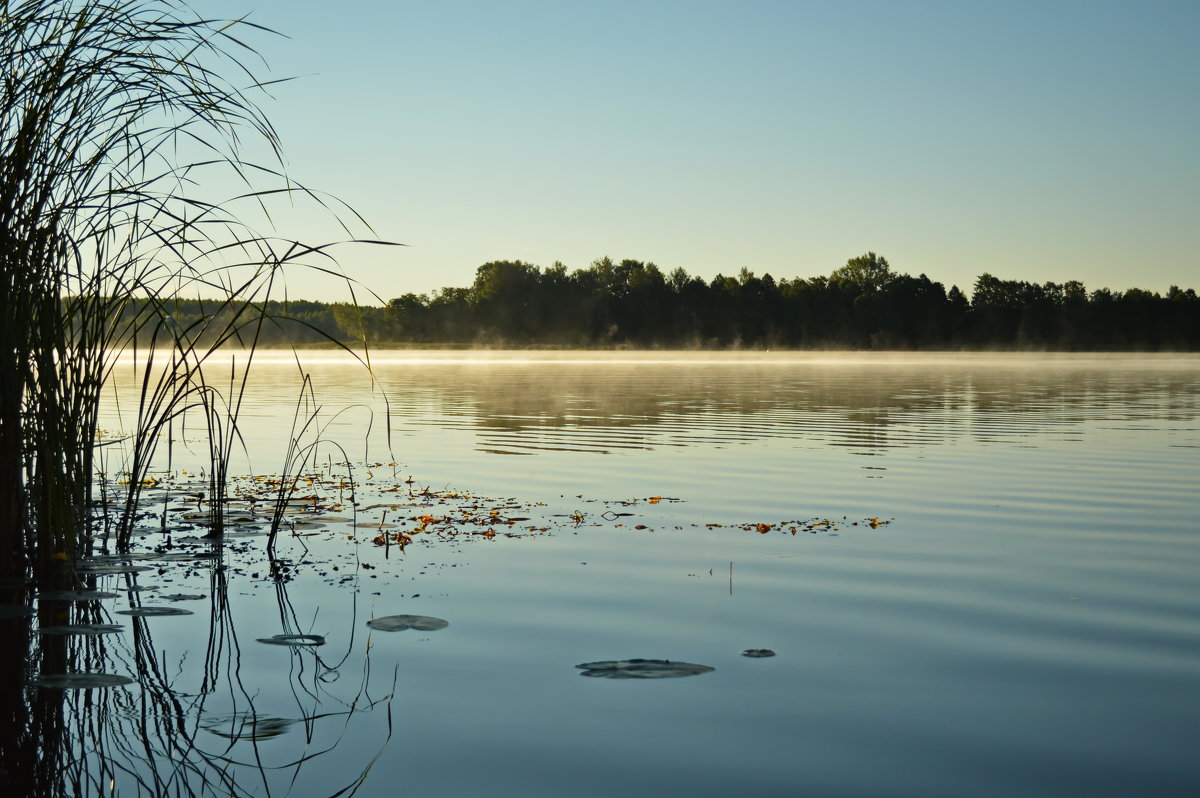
point(183, 597)
point(399, 623)
point(75, 595)
point(114, 559)
point(244, 532)
point(154, 611)
point(80, 681)
point(189, 556)
point(106, 570)
point(641, 669)
point(247, 726)
point(15, 611)
point(293, 640)
point(758, 653)
point(81, 629)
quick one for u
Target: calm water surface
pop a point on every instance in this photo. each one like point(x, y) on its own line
point(1029, 622)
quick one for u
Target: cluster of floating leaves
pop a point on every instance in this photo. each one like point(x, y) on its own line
point(393, 512)
point(812, 525)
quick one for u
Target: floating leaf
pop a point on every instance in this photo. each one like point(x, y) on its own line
point(106, 570)
point(81, 629)
point(293, 640)
point(246, 726)
point(183, 597)
point(154, 611)
point(399, 623)
point(115, 559)
point(15, 611)
point(758, 653)
point(80, 681)
point(75, 595)
point(189, 556)
point(641, 669)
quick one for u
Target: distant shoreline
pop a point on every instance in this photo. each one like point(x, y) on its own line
point(358, 346)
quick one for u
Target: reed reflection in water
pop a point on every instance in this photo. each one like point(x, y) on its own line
point(186, 723)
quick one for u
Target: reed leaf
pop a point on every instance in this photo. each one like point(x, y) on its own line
point(116, 118)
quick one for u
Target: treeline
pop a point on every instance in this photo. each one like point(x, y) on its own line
point(862, 305)
point(288, 323)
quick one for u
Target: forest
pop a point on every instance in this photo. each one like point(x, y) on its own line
point(864, 304)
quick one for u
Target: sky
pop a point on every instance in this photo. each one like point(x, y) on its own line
point(1038, 141)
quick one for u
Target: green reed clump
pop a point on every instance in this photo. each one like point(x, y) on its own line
point(113, 117)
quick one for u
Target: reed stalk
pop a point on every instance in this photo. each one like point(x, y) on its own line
point(114, 117)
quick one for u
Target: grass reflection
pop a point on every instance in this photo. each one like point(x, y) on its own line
point(178, 728)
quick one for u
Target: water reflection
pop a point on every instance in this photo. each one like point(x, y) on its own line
point(139, 720)
point(530, 403)
point(526, 407)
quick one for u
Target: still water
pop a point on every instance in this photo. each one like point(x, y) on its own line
point(1022, 616)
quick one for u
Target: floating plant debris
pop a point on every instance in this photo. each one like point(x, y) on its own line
point(641, 669)
point(183, 597)
point(812, 525)
point(758, 653)
point(80, 681)
point(81, 629)
point(392, 513)
point(140, 612)
point(293, 640)
point(399, 623)
point(247, 726)
point(75, 595)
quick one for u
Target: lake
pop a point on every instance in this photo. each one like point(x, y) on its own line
point(979, 575)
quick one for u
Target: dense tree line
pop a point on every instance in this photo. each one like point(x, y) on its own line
point(862, 305)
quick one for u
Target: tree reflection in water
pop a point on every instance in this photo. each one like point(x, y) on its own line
point(156, 736)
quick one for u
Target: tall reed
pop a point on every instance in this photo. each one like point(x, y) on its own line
point(114, 116)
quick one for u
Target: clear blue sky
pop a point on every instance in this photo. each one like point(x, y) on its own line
point(1034, 140)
